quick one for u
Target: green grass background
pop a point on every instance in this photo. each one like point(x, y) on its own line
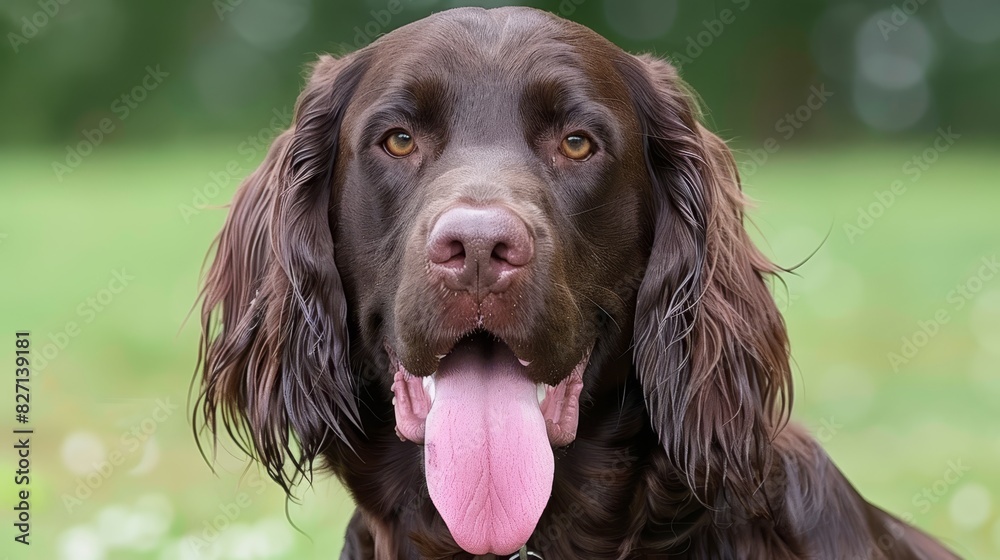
point(892, 432)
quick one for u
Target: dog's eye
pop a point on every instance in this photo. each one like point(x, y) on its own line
point(576, 147)
point(399, 144)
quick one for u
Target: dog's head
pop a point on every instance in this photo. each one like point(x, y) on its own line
point(477, 217)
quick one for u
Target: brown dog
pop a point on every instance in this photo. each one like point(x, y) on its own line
point(498, 263)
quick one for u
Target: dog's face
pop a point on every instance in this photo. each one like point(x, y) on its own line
point(473, 218)
point(483, 179)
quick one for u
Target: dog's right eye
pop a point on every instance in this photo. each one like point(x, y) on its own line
point(577, 147)
point(399, 144)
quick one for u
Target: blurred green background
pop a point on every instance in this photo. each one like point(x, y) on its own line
point(128, 125)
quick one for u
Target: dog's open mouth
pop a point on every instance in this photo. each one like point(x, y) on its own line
point(488, 432)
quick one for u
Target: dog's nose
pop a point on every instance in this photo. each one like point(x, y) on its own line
point(479, 249)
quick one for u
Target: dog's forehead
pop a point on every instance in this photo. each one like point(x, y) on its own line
point(493, 47)
point(480, 67)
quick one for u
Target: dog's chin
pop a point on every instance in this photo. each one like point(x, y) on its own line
point(488, 431)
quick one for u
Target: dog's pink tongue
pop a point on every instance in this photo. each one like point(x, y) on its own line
point(488, 458)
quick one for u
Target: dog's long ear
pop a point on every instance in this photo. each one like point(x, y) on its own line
point(711, 349)
point(274, 348)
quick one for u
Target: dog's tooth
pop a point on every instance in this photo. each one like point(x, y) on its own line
point(440, 356)
point(429, 387)
point(541, 392)
point(524, 363)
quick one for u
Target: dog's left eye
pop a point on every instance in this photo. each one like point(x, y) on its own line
point(399, 144)
point(577, 147)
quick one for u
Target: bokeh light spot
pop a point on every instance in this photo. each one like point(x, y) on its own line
point(890, 110)
point(970, 506)
point(81, 543)
point(890, 89)
point(974, 20)
point(898, 60)
point(82, 451)
point(270, 24)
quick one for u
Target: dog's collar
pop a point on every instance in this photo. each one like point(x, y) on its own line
point(525, 554)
